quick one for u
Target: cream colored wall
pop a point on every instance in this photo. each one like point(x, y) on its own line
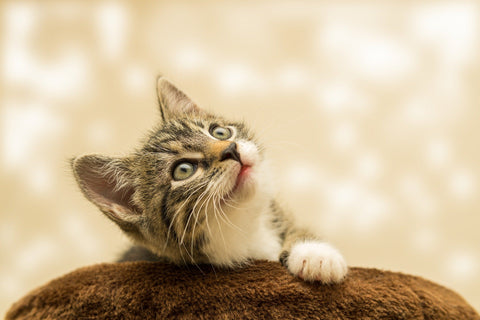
point(370, 110)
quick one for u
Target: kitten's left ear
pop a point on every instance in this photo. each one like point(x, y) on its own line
point(172, 101)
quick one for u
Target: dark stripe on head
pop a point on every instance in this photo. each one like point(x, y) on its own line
point(199, 124)
point(168, 140)
point(158, 149)
point(185, 125)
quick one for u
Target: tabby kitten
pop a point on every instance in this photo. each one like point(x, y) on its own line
point(199, 191)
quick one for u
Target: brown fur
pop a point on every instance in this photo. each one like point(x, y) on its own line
point(263, 290)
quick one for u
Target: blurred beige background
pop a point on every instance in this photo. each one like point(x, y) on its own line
point(370, 110)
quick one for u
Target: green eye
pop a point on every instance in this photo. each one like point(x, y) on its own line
point(221, 133)
point(184, 170)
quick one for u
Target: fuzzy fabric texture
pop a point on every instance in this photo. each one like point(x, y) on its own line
point(261, 290)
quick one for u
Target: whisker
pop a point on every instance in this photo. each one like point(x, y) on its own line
point(213, 267)
point(177, 212)
point(181, 255)
point(227, 220)
point(193, 260)
point(222, 213)
point(193, 210)
point(206, 203)
point(197, 213)
point(220, 228)
point(208, 226)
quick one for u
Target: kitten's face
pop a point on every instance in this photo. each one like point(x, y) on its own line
point(192, 171)
point(202, 153)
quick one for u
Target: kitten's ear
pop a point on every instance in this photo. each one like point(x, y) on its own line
point(172, 101)
point(106, 182)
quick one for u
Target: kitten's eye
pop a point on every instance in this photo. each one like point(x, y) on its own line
point(221, 133)
point(184, 170)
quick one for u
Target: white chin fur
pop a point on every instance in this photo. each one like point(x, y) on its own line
point(317, 261)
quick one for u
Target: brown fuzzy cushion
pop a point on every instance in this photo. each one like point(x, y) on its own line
point(265, 290)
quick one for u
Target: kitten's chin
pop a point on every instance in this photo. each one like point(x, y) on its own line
point(245, 185)
point(243, 178)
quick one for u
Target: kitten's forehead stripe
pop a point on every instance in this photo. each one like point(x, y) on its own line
point(161, 149)
point(167, 140)
point(199, 124)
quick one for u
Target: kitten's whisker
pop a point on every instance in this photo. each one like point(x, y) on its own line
point(225, 217)
point(181, 255)
point(177, 212)
point(213, 194)
point(192, 213)
point(200, 198)
point(198, 212)
point(213, 267)
point(222, 213)
point(217, 200)
point(207, 189)
point(227, 221)
point(192, 242)
point(228, 201)
point(208, 226)
point(181, 243)
point(206, 202)
point(220, 228)
point(193, 260)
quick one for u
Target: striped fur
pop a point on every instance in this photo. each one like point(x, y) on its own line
point(217, 215)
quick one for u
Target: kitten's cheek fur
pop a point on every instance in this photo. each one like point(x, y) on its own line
point(317, 261)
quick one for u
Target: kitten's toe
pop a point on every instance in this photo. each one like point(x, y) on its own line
point(317, 261)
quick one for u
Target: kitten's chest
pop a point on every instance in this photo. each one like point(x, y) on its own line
point(242, 236)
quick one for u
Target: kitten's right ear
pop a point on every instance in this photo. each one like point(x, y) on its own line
point(107, 183)
point(173, 101)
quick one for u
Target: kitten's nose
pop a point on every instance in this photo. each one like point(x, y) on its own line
point(230, 153)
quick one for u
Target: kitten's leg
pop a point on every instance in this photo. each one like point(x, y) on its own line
point(306, 256)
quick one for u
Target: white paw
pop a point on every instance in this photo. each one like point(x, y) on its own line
point(317, 261)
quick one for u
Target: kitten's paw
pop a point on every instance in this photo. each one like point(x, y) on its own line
point(317, 261)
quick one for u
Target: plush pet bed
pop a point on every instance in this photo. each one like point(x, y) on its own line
point(265, 290)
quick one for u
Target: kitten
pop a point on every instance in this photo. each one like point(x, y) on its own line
point(199, 191)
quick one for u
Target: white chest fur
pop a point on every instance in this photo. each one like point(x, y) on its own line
point(241, 235)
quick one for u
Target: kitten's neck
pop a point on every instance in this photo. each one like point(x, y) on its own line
point(243, 233)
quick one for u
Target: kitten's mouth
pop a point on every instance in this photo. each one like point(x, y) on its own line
point(242, 176)
point(242, 173)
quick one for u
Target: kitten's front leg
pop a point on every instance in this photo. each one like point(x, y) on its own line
point(311, 259)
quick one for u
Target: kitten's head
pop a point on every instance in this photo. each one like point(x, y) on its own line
point(193, 170)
